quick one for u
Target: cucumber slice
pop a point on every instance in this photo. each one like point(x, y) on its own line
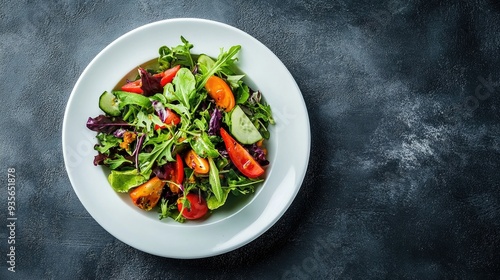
point(109, 104)
point(242, 127)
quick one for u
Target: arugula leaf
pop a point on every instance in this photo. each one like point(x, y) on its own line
point(169, 210)
point(180, 54)
point(241, 184)
point(266, 114)
point(238, 185)
point(222, 162)
point(106, 142)
point(161, 153)
point(116, 162)
point(202, 145)
point(213, 178)
point(143, 120)
point(201, 124)
point(224, 59)
point(234, 80)
point(165, 57)
point(183, 53)
point(242, 94)
point(130, 113)
point(226, 118)
point(147, 121)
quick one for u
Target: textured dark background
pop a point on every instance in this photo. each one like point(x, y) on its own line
point(403, 179)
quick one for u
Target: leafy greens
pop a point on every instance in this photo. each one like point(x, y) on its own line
point(139, 144)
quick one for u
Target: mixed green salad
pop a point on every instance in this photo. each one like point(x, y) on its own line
point(184, 134)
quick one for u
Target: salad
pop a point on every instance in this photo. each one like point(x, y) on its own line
point(183, 135)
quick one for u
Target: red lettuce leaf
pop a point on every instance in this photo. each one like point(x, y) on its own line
point(150, 84)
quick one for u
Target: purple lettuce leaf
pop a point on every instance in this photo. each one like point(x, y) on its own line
point(222, 151)
point(119, 132)
point(258, 154)
point(99, 159)
point(215, 122)
point(160, 110)
point(164, 172)
point(105, 124)
point(137, 149)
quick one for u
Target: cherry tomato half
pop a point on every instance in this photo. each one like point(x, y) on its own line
point(147, 195)
point(196, 209)
point(240, 157)
point(218, 89)
point(198, 164)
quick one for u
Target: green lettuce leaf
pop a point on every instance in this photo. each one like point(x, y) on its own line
point(184, 83)
point(213, 203)
point(123, 181)
point(127, 98)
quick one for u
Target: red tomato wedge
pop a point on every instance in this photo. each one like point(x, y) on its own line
point(197, 207)
point(177, 175)
point(179, 168)
point(134, 87)
point(168, 75)
point(218, 89)
point(147, 195)
point(240, 157)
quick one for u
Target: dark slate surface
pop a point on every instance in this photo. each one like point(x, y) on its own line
point(404, 103)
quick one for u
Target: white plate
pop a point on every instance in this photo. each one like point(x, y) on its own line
point(228, 228)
